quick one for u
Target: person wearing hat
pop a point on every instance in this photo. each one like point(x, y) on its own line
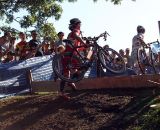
point(75, 37)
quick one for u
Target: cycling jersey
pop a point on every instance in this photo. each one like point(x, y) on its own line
point(136, 43)
point(76, 42)
point(21, 45)
point(23, 48)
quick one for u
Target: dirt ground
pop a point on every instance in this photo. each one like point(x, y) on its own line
point(103, 109)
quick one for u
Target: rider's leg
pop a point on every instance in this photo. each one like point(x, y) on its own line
point(62, 85)
point(73, 86)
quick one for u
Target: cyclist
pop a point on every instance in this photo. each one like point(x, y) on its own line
point(137, 42)
point(75, 33)
point(74, 36)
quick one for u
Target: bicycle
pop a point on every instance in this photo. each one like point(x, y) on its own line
point(148, 59)
point(75, 61)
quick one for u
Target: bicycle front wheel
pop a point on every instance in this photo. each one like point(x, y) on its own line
point(66, 66)
point(111, 60)
point(146, 62)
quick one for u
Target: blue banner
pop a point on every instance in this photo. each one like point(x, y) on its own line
point(14, 75)
point(155, 47)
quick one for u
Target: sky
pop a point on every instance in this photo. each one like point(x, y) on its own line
point(120, 21)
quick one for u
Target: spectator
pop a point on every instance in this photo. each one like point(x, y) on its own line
point(45, 48)
point(59, 45)
point(51, 46)
point(6, 43)
point(105, 46)
point(9, 57)
point(121, 52)
point(128, 57)
point(34, 45)
point(12, 40)
point(22, 48)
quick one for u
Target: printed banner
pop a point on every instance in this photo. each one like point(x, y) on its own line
point(14, 75)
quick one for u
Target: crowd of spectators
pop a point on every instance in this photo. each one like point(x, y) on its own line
point(10, 50)
point(125, 54)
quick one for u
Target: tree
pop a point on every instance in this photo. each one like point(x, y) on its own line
point(37, 14)
point(113, 1)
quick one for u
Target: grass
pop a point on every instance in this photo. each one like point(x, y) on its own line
point(150, 119)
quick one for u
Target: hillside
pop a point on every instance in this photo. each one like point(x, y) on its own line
point(103, 109)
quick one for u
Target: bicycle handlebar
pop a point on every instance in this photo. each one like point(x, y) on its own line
point(104, 35)
point(148, 45)
point(154, 42)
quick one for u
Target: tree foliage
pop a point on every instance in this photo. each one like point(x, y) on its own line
point(116, 2)
point(36, 14)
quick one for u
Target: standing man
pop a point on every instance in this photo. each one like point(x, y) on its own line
point(59, 45)
point(35, 45)
point(128, 57)
point(137, 42)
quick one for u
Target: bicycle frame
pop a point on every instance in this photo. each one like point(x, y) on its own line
point(95, 49)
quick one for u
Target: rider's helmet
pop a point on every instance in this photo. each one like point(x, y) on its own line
point(140, 29)
point(73, 23)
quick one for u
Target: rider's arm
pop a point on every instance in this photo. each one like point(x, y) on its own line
point(78, 38)
point(140, 39)
point(143, 43)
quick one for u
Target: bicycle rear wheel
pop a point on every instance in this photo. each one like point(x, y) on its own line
point(111, 60)
point(146, 62)
point(66, 66)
